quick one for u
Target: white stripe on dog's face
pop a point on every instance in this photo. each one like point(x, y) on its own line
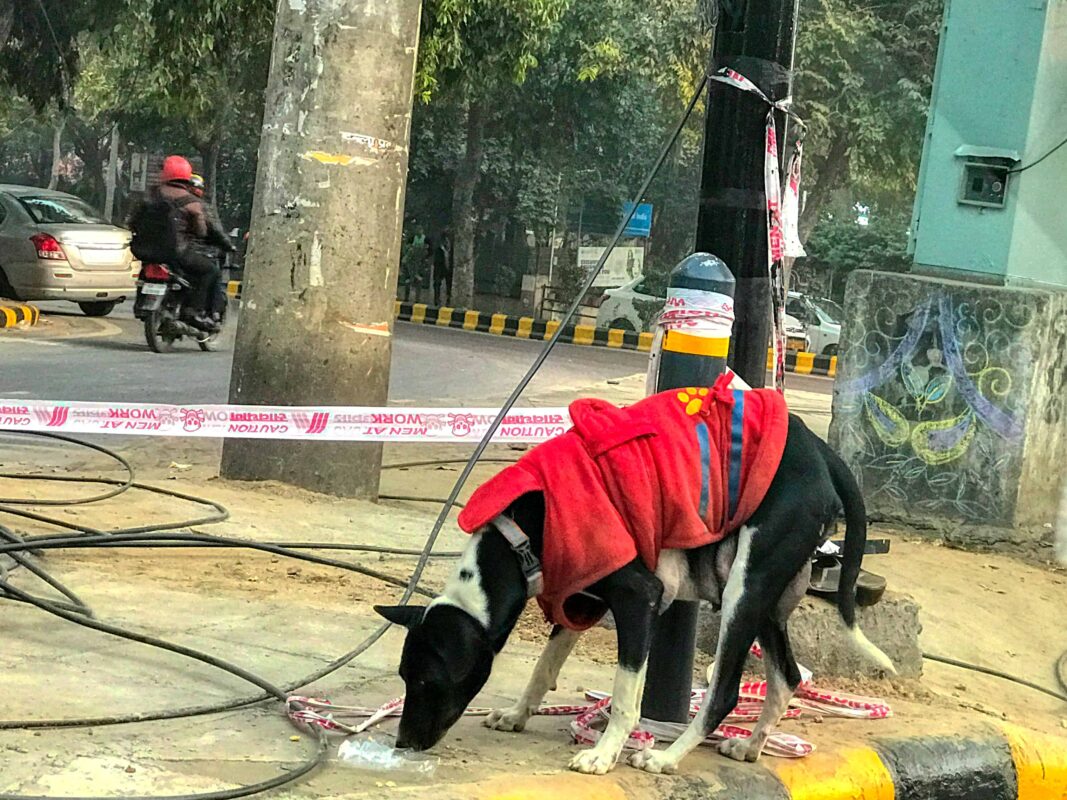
point(464, 587)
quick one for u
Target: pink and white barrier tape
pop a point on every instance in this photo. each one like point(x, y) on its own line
point(327, 423)
point(590, 718)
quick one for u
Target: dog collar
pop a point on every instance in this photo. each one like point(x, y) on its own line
point(520, 545)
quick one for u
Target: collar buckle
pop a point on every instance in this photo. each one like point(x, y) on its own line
point(520, 545)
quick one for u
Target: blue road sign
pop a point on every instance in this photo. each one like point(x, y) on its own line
point(641, 222)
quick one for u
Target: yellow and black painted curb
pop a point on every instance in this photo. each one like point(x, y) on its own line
point(12, 314)
point(530, 328)
point(1005, 763)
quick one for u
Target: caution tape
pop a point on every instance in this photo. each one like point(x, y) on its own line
point(308, 713)
point(327, 423)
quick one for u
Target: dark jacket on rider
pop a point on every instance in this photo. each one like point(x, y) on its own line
point(193, 225)
point(216, 238)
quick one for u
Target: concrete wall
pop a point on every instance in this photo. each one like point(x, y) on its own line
point(983, 95)
point(950, 403)
point(1038, 252)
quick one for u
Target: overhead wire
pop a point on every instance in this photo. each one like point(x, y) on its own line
point(165, 532)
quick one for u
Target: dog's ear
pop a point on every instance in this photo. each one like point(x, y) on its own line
point(408, 616)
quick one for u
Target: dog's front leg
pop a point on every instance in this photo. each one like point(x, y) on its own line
point(559, 646)
point(633, 594)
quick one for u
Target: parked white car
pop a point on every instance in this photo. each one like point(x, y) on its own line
point(622, 308)
point(820, 317)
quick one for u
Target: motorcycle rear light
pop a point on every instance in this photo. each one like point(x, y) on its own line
point(48, 247)
point(155, 272)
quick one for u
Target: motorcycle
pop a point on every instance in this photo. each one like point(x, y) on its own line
point(161, 295)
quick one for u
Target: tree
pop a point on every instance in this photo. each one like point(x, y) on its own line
point(863, 81)
point(581, 129)
point(470, 51)
point(839, 245)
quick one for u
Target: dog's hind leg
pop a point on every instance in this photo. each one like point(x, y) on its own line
point(633, 595)
point(741, 613)
point(783, 674)
point(783, 677)
point(559, 646)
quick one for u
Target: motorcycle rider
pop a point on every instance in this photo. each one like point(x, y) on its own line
point(216, 243)
point(168, 227)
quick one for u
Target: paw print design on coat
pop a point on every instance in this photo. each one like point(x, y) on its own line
point(693, 399)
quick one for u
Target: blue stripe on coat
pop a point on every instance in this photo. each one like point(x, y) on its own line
point(704, 437)
point(737, 428)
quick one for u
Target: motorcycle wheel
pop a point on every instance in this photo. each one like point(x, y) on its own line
point(213, 343)
point(158, 340)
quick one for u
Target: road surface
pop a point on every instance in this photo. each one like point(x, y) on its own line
point(435, 366)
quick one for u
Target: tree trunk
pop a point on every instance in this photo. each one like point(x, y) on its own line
point(7, 21)
point(827, 176)
point(210, 153)
point(57, 151)
point(463, 211)
point(319, 290)
point(111, 177)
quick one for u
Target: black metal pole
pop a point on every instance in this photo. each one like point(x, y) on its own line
point(755, 38)
point(685, 360)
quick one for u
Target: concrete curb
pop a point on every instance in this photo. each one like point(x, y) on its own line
point(529, 328)
point(1004, 763)
point(18, 314)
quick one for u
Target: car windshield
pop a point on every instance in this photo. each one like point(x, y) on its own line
point(831, 309)
point(60, 210)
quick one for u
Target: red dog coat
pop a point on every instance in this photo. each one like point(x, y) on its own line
point(679, 469)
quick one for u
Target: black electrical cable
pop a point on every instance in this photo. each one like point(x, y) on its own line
point(435, 461)
point(120, 486)
point(56, 542)
point(142, 638)
point(424, 557)
point(952, 662)
point(480, 449)
point(1061, 671)
point(76, 603)
point(1034, 163)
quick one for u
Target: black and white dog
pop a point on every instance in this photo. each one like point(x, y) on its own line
point(757, 576)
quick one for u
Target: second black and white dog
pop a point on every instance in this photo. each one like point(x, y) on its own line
point(757, 576)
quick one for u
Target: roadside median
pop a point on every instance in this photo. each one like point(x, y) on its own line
point(15, 314)
point(999, 763)
point(588, 335)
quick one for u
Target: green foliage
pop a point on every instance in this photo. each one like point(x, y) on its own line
point(478, 45)
point(838, 246)
point(863, 81)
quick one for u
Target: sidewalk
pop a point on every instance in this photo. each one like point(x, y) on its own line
point(282, 619)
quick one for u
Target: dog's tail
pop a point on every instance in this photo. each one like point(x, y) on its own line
point(855, 544)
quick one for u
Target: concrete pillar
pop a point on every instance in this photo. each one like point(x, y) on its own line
point(316, 321)
point(950, 405)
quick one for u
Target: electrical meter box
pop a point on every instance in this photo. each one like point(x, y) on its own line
point(985, 174)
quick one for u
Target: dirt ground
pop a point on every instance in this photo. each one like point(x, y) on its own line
point(286, 617)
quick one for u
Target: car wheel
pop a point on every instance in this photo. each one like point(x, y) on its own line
point(97, 308)
point(6, 289)
point(830, 350)
point(623, 324)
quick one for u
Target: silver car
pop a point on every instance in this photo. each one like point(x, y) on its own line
point(54, 246)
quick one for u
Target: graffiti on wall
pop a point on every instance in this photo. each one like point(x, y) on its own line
point(931, 420)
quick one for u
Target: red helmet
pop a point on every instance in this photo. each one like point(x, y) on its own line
point(176, 168)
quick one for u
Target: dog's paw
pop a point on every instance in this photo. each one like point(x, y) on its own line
point(593, 762)
point(512, 719)
point(658, 762)
point(738, 749)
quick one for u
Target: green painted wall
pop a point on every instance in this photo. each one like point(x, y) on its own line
point(1001, 83)
point(1038, 253)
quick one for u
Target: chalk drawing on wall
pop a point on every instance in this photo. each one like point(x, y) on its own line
point(932, 420)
